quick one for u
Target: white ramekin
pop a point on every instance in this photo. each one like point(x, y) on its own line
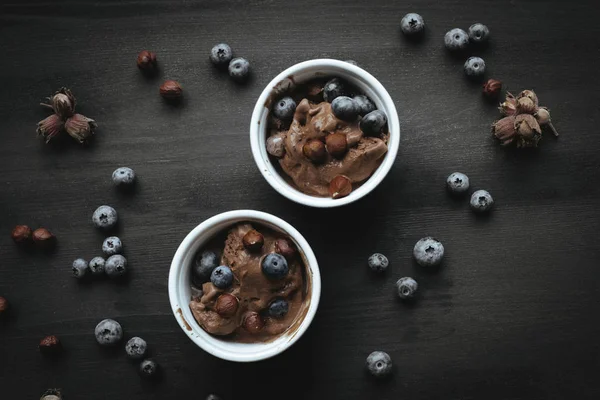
point(180, 291)
point(301, 73)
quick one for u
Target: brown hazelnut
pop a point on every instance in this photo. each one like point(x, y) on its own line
point(315, 92)
point(492, 88)
point(44, 238)
point(253, 240)
point(285, 248)
point(253, 322)
point(171, 90)
point(21, 234)
point(227, 305)
point(314, 150)
point(146, 60)
point(50, 345)
point(337, 145)
point(4, 305)
point(340, 186)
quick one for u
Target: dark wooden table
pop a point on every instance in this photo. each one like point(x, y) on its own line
point(512, 314)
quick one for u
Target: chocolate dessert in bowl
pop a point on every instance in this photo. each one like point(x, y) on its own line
point(244, 285)
point(324, 133)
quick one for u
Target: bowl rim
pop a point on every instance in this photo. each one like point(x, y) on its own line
point(202, 338)
point(268, 170)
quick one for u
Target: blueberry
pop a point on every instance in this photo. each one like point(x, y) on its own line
point(474, 67)
point(213, 397)
point(96, 265)
point(221, 55)
point(204, 265)
point(149, 369)
point(239, 69)
point(332, 89)
point(378, 262)
point(351, 62)
point(479, 33)
point(373, 122)
point(379, 364)
point(123, 176)
point(136, 348)
point(428, 252)
point(412, 24)
point(115, 266)
point(105, 217)
point(456, 39)
point(407, 287)
point(481, 201)
point(284, 109)
point(80, 268)
point(108, 332)
point(222, 277)
point(274, 266)
point(344, 108)
point(112, 245)
point(278, 308)
point(457, 183)
point(364, 104)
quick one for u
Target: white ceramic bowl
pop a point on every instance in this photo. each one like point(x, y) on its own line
point(180, 290)
point(303, 72)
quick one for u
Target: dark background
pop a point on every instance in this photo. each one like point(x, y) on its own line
point(513, 312)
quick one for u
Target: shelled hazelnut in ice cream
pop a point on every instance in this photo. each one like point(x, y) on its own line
point(328, 137)
point(249, 284)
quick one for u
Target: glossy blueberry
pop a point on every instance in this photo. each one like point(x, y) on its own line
point(474, 67)
point(204, 265)
point(149, 369)
point(407, 287)
point(364, 104)
point(221, 54)
point(457, 183)
point(123, 176)
point(115, 266)
point(481, 201)
point(108, 332)
point(284, 108)
point(105, 217)
point(332, 89)
point(222, 277)
point(239, 69)
point(274, 266)
point(136, 348)
point(428, 252)
point(344, 108)
point(479, 33)
point(378, 262)
point(379, 364)
point(278, 308)
point(373, 123)
point(412, 24)
point(456, 39)
point(112, 245)
point(80, 268)
point(97, 265)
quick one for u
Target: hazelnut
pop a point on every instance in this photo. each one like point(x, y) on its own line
point(340, 186)
point(492, 88)
point(227, 305)
point(146, 60)
point(337, 145)
point(314, 150)
point(44, 238)
point(253, 322)
point(52, 394)
point(285, 248)
point(171, 90)
point(3, 306)
point(21, 234)
point(253, 240)
point(50, 345)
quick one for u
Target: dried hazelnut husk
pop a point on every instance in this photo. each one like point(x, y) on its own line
point(50, 345)
point(146, 60)
point(43, 238)
point(285, 248)
point(51, 394)
point(340, 186)
point(530, 94)
point(337, 145)
point(171, 90)
point(62, 103)
point(492, 88)
point(505, 130)
point(253, 322)
point(226, 305)
point(543, 118)
point(525, 106)
point(314, 150)
point(21, 234)
point(527, 126)
point(4, 306)
point(49, 127)
point(253, 240)
point(80, 127)
point(509, 106)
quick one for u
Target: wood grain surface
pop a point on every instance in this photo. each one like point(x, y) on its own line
point(513, 312)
